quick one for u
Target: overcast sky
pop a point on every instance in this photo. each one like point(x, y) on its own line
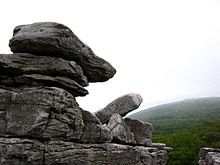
point(166, 50)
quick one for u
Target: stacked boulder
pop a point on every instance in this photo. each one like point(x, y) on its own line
point(209, 156)
point(40, 120)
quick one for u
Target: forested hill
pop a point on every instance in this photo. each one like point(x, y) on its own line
point(186, 126)
point(181, 115)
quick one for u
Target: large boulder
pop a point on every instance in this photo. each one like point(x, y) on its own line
point(120, 131)
point(122, 105)
point(142, 131)
point(40, 113)
point(57, 40)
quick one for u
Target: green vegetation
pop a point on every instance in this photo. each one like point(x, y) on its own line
point(185, 126)
point(186, 143)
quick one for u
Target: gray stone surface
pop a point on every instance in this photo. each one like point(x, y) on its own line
point(209, 156)
point(40, 113)
point(46, 126)
point(122, 105)
point(57, 40)
point(120, 131)
point(22, 69)
point(142, 131)
point(32, 152)
point(17, 151)
point(213, 158)
point(93, 130)
point(41, 122)
point(99, 154)
point(24, 63)
point(36, 80)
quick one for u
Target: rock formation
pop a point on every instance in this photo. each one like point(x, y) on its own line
point(209, 156)
point(40, 120)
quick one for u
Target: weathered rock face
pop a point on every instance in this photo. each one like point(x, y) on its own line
point(57, 40)
point(26, 151)
point(122, 105)
point(131, 131)
point(24, 63)
point(36, 80)
point(40, 120)
point(22, 69)
point(41, 113)
point(93, 131)
point(106, 153)
point(16, 151)
point(209, 156)
point(142, 131)
point(119, 130)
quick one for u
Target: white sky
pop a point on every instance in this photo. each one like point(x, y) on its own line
point(166, 50)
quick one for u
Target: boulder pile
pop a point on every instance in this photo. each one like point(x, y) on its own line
point(40, 120)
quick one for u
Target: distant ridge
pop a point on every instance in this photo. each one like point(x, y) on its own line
point(182, 114)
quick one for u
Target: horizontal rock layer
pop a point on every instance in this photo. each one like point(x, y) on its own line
point(21, 69)
point(36, 80)
point(24, 63)
point(57, 40)
point(32, 152)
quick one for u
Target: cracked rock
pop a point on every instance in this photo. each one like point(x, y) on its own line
point(22, 69)
point(41, 113)
point(32, 152)
point(59, 152)
point(16, 151)
point(142, 131)
point(120, 131)
point(93, 130)
point(36, 80)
